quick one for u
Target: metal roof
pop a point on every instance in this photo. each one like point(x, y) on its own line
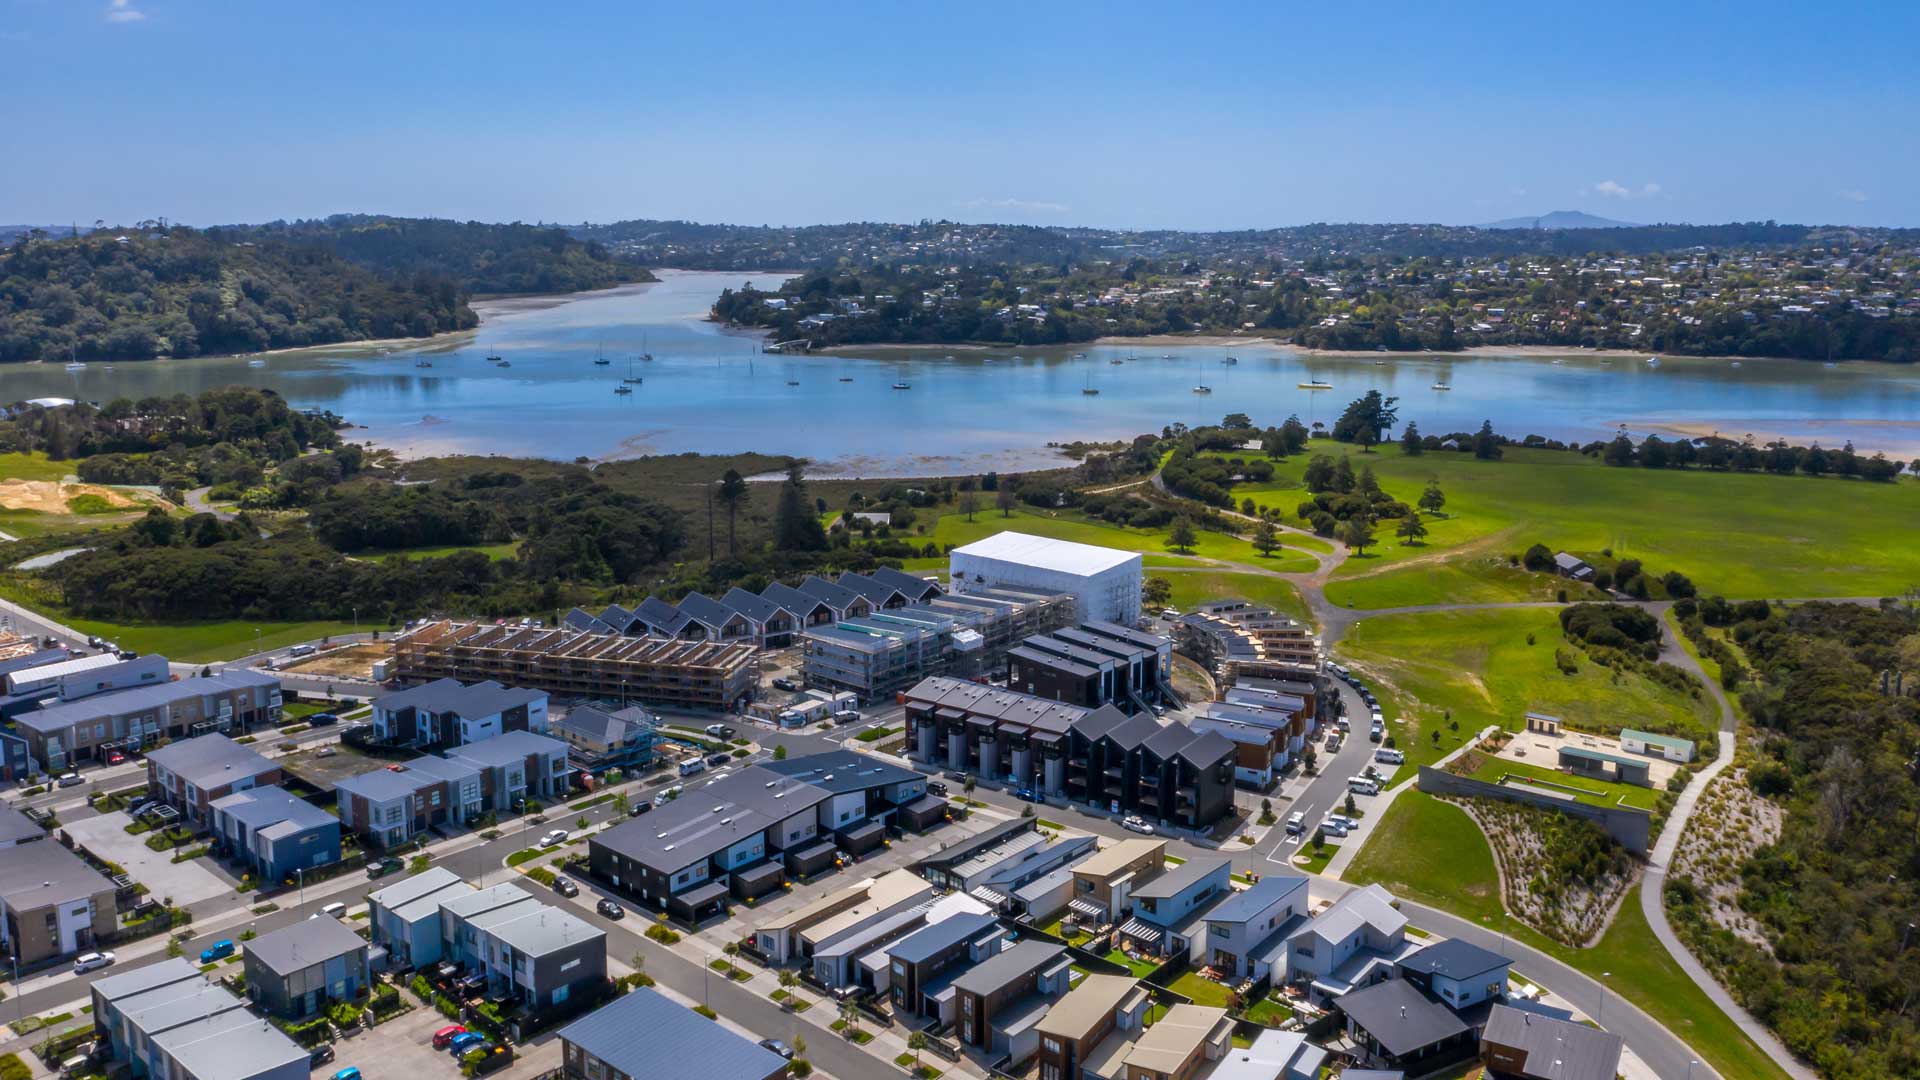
point(260, 807)
point(1399, 1016)
point(209, 761)
point(707, 820)
point(1369, 905)
point(43, 872)
point(1594, 755)
point(1651, 739)
point(16, 826)
point(508, 748)
point(997, 971)
point(451, 696)
point(304, 944)
point(139, 699)
point(1169, 1044)
point(1045, 553)
point(1555, 1049)
point(840, 771)
point(1086, 1005)
point(1455, 958)
point(431, 885)
point(1182, 877)
point(545, 929)
point(922, 944)
point(646, 1034)
point(386, 784)
point(1248, 903)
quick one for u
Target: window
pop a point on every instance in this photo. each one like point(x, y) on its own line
point(1052, 1045)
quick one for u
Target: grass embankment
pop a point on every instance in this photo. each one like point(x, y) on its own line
point(1191, 589)
point(33, 466)
point(1479, 666)
point(1432, 853)
point(1797, 536)
point(192, 643)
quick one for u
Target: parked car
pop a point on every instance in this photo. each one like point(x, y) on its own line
point(786, 684)
point(956, 774)
point(1026, 794)
point(565, 887)
point(1136, 823)
point(337, 909)
point(1389, 756)
point(1344, 821)
point(320, 1055)
point(935, 787)
point(384, 867)
point(720, 758)
point(72, 779)
point(348, 1073)
point(445, 1036)
point(1332, 827)
point(323, 719)
point(1297, 823)
point(610, 909)
point(218, 950)
point(1376, 733)
point(778, 1047)
point(638, 808)
point(92, 961)
point(464, 1042)
point(1363, 785)
point(557, 836)
point(115, 757)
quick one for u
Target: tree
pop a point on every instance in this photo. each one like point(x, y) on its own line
point(1181, 537)
point(1319, 837)
point(917, 1042)
point(1349, 804)
point(1411, 529)
point(1157, 592)
point(1537, 558)
point(1410, 443)
point(1486, 445)
point(1003, 500)
point(969, 503)
point(1266, 538)
point(795, 526)
point(732, 495)
point(1237, 421)
point(1432, 499)
point(1343, 478)
point(780, 752)
point(1357, 533)
point(1366, 419)
point(621, 805)
point(1319, 473)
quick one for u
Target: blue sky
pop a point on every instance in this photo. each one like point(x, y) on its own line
point(1186, 115)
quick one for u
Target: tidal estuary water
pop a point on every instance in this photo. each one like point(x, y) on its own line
point(710, 390)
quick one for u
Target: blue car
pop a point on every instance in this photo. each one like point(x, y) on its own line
point(463, 1043)
point(348, 1073)
point(219, 951)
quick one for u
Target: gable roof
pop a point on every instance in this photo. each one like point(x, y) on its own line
point(508, 748)
point(209, 761)
point(1248, 903)
point(1369, 905)
point(759, 609)
point(1555, 1049)
point(707, 611)
point(1007, 966)
point(840, 598)
point(1399, 1016)
point(879, 592)
point(646, 1034)
point(1134, 730)
point(915, 586)
point(927, 941)
point(56, 718)
point(583, 621)
point(662, 617)
point(303, 944)
point(599, 725)
point(793, 599)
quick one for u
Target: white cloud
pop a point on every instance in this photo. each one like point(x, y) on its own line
point(123, 11)
point(1854, 195)
point(1024, 206)
point(1613, 189)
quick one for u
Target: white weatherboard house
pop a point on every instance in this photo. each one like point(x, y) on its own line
point(1104, 583)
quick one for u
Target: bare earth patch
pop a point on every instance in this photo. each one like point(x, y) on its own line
point(1572, 909)
point(1729, 824)
point(352, 661)
point(51, 496)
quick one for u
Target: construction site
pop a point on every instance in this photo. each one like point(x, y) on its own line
point(665, 673)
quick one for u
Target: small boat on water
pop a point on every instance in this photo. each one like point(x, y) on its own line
point(1316, 385)
point(506, 363)
point(1116, 361)
point(1653, 361)
point(623, 388)
point(494, 359)
point(600, 359)
point(1090, 391)
point(1736, 363)
point(1829, 364)
point(632, 379)
point(1231, 360)
point(423, 362)
point(1166, 356)
point(1079, 356)
point(949, 356)
point(77, 365)
point(1203, 389)
point(256, 363)
point(902, 386)
point(793, 382)
point(1441, 386)
point(846, 378)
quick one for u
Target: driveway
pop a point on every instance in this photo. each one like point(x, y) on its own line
point(184, 883)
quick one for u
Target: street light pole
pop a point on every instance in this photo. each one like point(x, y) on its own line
point(1602, 1018)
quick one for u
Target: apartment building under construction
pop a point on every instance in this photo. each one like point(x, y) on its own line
point(661, 672)
point(1236, 639)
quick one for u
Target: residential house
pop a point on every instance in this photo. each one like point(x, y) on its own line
point(389, 806)
point(997, 885)
point(168, 1020)
point(1252, 920)
point(856, 956)
point(1396, 1025)
point(1274, 1055)
point(274, 833)
point(1520, 1044)
point(1169, 912)
point(965, 863)
point(189, 775)
point(89, 728)
point(1571, 566)
point(17, 828)
point(1045, 896)
point(1101, 1007)
point(1001, 1000)
point(599, 739)
point(405, 917)
point(779, 938)
point(52, 903)
point(517, 766)
point(1458, 972)
point(296, 970)
point(1180, 1044)
point(645, 1034)
point(773, 624)
point(923, 965)
point(1352, 943)
point(446, 713)
point(1668, 747)
point(1103, 883)
point(530, 953)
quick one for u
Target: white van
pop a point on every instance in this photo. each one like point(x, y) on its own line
point(693, 765)
point(1390, 757)
point(1361, 785)
point(301, 650)
point(1297, 824)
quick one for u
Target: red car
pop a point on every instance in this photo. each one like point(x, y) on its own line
point(447, 1034)
point(115, 757)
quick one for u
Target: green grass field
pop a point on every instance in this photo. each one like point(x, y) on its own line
point(1478, 665)
point(200, 643)
point(1584, 789)
point(34, 466)
point(1191, 589)
point(1431, 853)
point(1796, 536)
point(1066, 525)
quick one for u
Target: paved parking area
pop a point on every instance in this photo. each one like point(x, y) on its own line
point(404, 1048)
point(185, 883)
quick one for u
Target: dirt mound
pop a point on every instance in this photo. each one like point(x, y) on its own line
point(51, 496)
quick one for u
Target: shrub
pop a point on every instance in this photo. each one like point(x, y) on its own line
point(706, 1012)
point(1537, 558)
point(662, 934)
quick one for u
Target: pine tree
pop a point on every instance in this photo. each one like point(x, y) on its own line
point(795, 526)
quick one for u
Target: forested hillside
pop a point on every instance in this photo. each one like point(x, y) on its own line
point(483, 258)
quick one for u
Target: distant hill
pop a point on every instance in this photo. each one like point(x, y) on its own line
point(1561, 219)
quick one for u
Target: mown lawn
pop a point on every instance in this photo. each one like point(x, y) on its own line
point(1430, 852)
point(33, 466)
point(207, 642)
point(1581, 788)
point(954, 528)
point(1192, 589)
point(1479, 665)
point(1797, 536)
point(495, 552)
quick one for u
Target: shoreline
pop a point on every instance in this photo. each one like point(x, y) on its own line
point(1894, 450)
